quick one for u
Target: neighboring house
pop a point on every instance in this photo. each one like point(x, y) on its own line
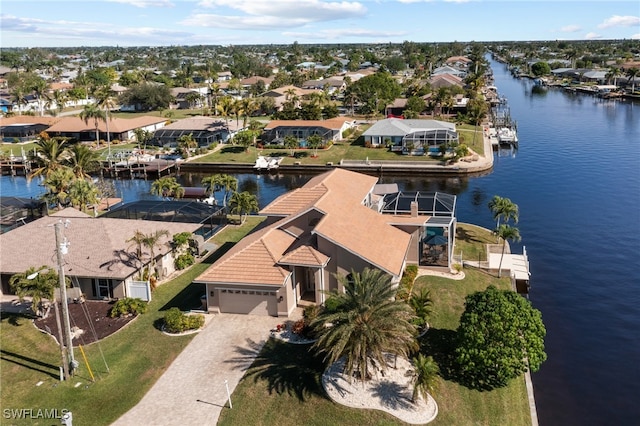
point(121, 129)
point(224, 76)
point(24, 128)
point(99, 260)
point(445, 80)
point(458, 62)
point(449, 70)
point(281, 94)
point(250, 81)
point(330, 130)
point(416, 137)
point(205, 130)
point(188, 98)
point(331, 226)
point(331, 85)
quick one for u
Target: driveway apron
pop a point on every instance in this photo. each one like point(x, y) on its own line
point(192, 390)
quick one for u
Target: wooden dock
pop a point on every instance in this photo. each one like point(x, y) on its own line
point(141, 170)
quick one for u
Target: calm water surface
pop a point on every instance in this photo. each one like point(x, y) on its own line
point(576, 179)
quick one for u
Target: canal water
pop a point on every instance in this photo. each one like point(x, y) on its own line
point(576, 180)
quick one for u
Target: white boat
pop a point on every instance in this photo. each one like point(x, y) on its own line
point(267, 163)
point(507, 135)
point(262, 163)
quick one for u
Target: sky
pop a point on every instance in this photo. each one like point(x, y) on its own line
point(70, 23)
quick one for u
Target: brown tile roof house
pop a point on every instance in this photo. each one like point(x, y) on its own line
point(99, 256)
point(119, 128)
point(330, 130)
point(324, 228)
point(24, 127)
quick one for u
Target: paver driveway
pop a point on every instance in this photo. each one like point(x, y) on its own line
point(192, 390)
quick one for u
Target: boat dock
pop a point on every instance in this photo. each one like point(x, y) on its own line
point(141, 169)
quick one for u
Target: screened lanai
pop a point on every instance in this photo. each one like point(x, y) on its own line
point(169, 137)
point(428, 141)
point(210, 217)
point(437, 235)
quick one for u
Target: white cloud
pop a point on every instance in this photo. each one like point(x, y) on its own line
point(570, 28)
point(312, 10)
point(345, 33)
point(592, 36)
point(145, 3)
point(247, 23)
point(635, 36)
point(620, 21)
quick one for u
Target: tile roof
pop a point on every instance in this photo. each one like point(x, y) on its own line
point(116, 125)
point(253, 260)
point(98, 246)
point(332, 123)
point(305, 255)
point(27, 119)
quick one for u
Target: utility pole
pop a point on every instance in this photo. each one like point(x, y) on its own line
point(61, 248)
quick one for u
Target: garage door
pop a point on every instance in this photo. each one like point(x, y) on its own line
point(248, 302)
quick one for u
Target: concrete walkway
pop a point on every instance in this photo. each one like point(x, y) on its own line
point(192, 390)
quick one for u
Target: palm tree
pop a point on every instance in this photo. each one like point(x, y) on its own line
point(367, 325)
point(506, 232)
point(229, 184)
point(503, 208)
point(39, 88)
point(142, 137)
point(35, 283)
point(167, 187)
point(104, 99)
point(83, 193)
point(631, 73)
point(291, 142)
point(50, 154)
point(151, 241)
point(243, 203)
point(421, 304)
point(314, 142)
point(83, 160)
point(93, 112)
point(60, 98)
point(211, 183)
point(57, 184)
point(225, 106)
point(186, 143)
point(424, 377)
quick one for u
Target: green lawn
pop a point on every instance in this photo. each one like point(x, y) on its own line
point(283, 386)
point(136, 356)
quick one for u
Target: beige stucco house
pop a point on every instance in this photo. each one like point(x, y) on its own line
point(331, 226)
point(99, 260)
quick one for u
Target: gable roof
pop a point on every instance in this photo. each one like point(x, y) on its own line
point(116, 125)
point(254, 260)
point(98, 246)
point(399, 127)
point(347, 222)
point(335, 123)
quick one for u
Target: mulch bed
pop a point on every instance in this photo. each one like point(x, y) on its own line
point(98, 315)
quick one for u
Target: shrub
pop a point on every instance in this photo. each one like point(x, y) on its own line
point(183, 261)
point(128, 306)
point(332, 304)
point(177, 322)
point(298, 327)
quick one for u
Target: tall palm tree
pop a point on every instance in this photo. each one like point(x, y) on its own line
point(186, 143)
point(50, 154)
point(60, 98)
point(40, 90)
point(93, 112)
point(151, 241)
point(243, 203)
point(229, 184)
point(503, 208)
point(211, 183)
point(83, 160)
point(506, 232)
point(225, 106)
point(83, 193)
point(57, 184)
point(424, 377)
point(367, 325)
point(105, 100)
point(631, 73)
point(35, 283)
point(167, 187)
